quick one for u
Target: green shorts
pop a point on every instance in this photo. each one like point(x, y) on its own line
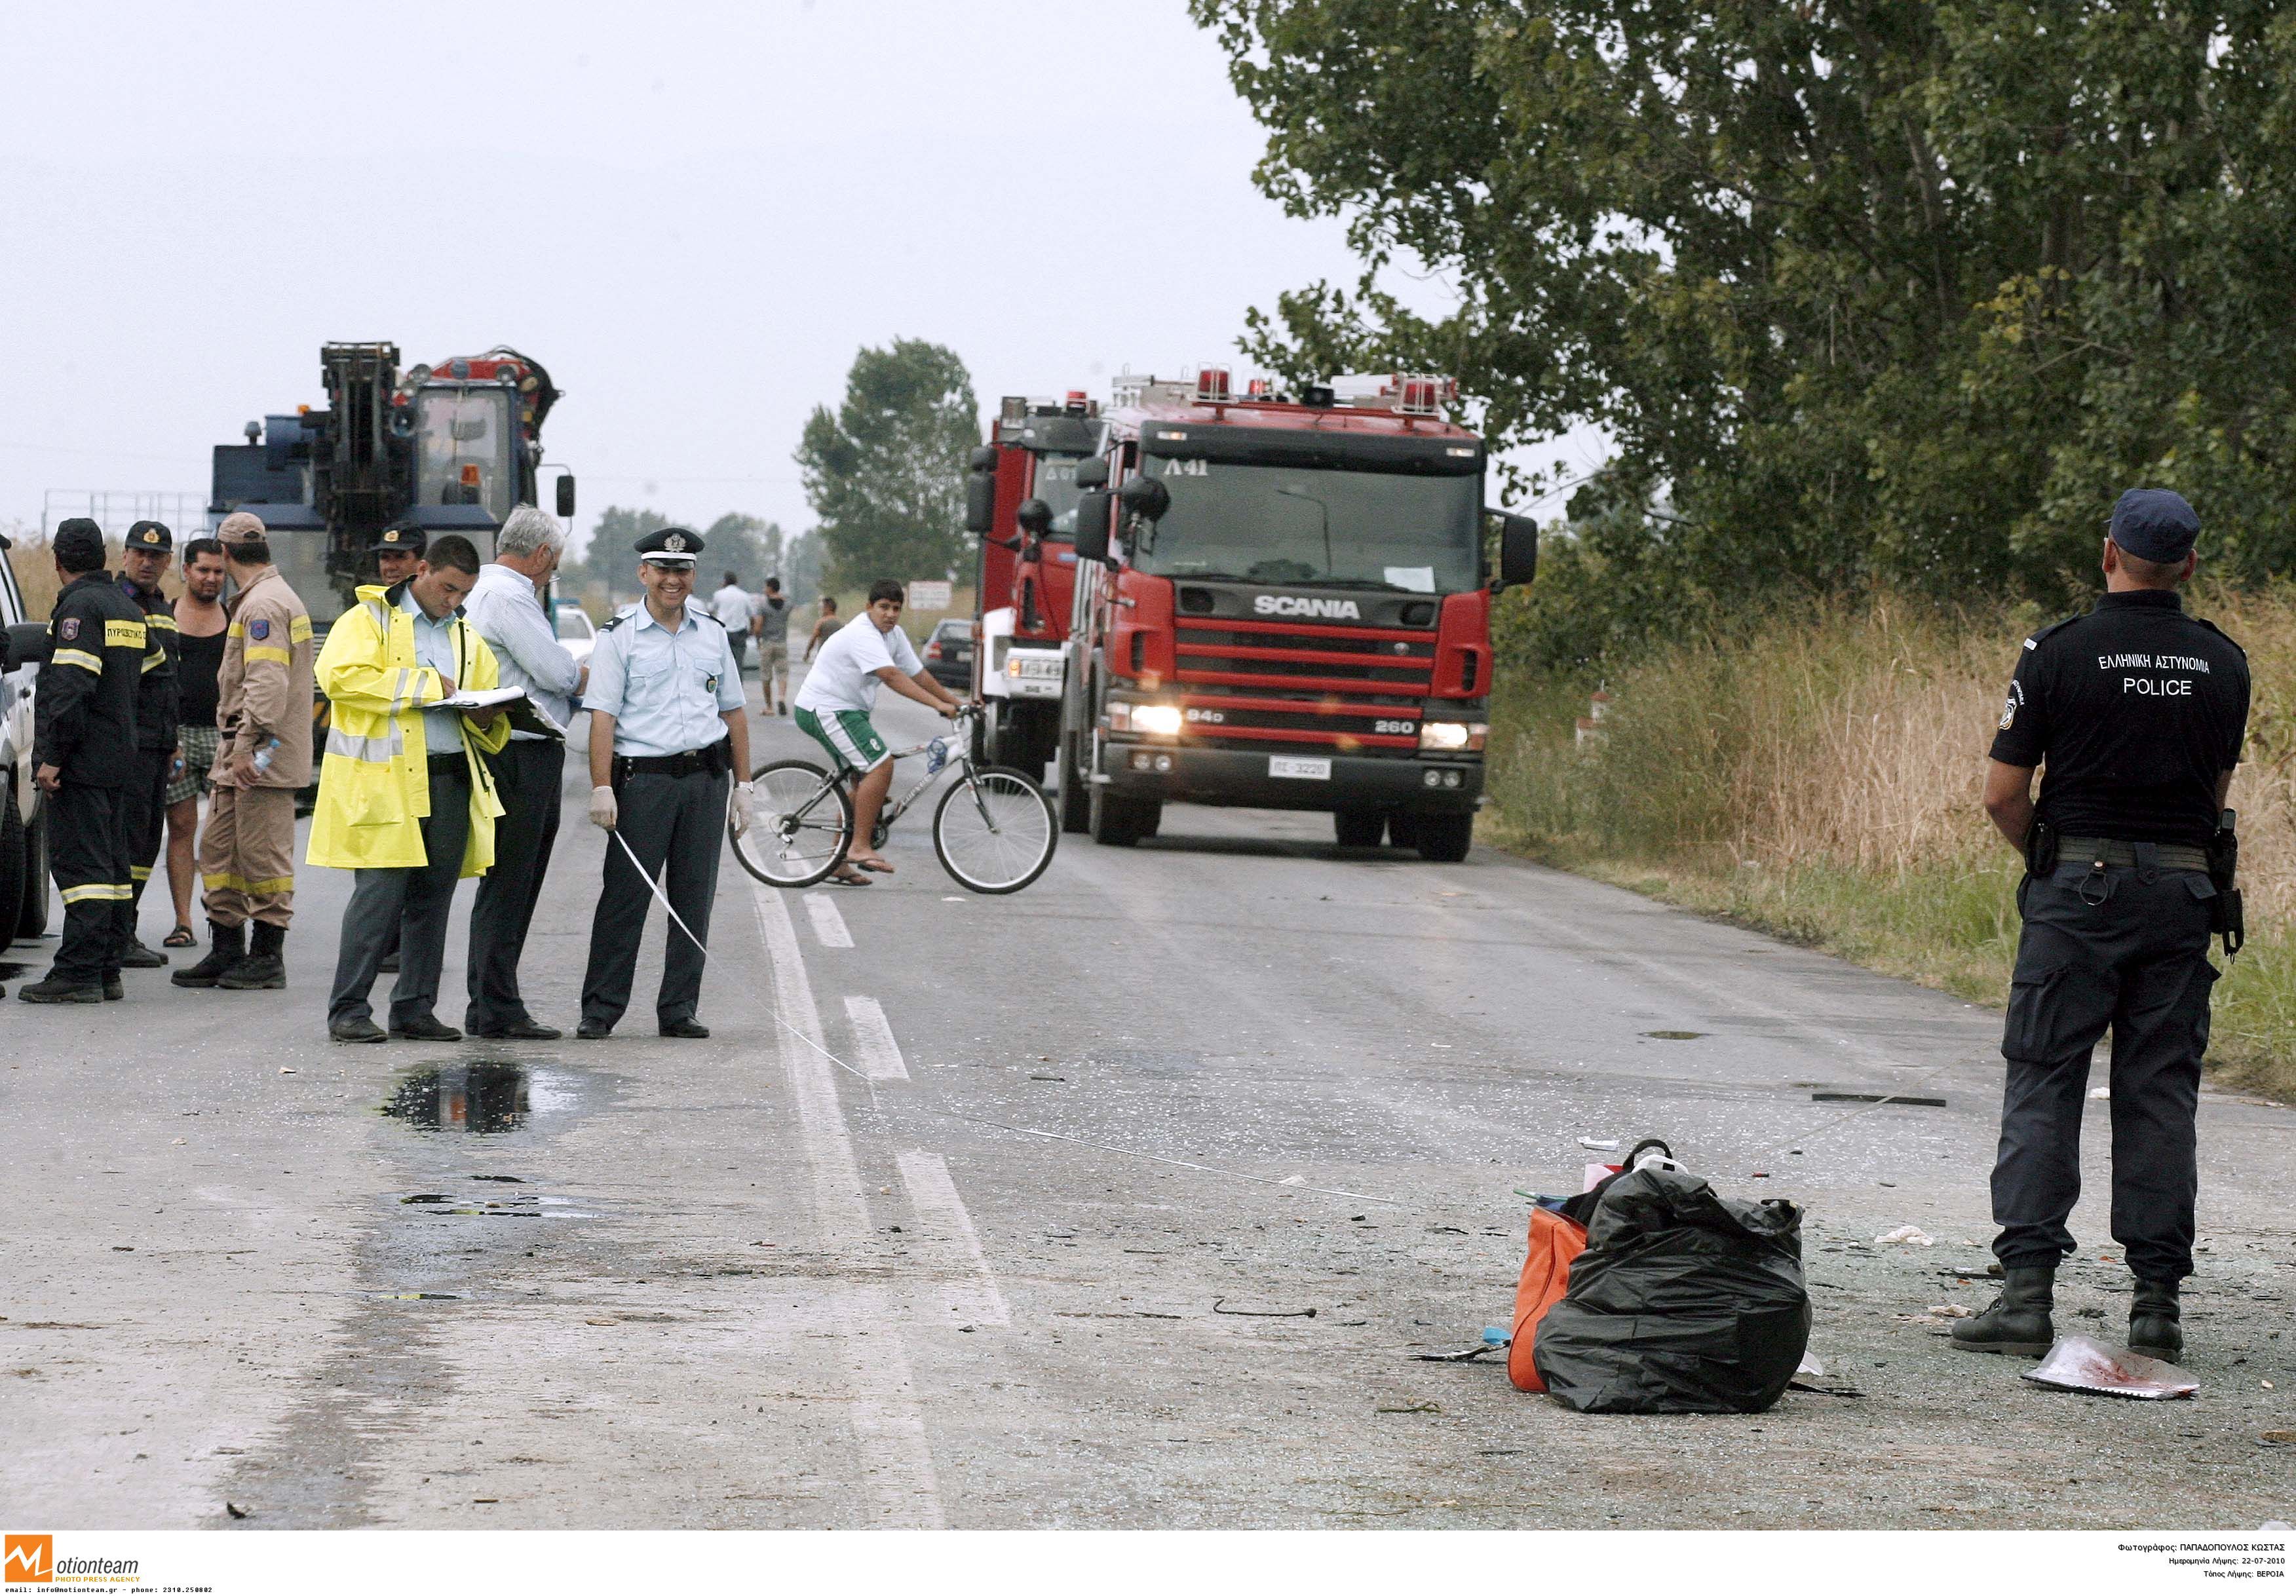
point(847, 736)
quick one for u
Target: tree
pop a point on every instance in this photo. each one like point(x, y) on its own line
point(1864, 289)
point(607, 566)
point(750, 548)
point(885, 473)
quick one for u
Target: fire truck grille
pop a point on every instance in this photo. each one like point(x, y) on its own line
point(1250, 686)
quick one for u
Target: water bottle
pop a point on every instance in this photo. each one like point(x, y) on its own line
point(263, 755)
point(936, 755)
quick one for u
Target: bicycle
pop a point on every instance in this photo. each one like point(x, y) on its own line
point(998, 838)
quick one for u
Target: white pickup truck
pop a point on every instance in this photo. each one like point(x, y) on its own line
point(23, 830)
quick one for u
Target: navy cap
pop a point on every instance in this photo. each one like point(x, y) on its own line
point(399, 540)
point(80, 539)
point(150, 534)
point(671, 545)
point(2155, 524)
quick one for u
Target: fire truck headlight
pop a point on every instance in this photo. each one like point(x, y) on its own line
point(1452, 736)
point(1157, 720)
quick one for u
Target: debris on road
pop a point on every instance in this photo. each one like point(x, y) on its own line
point(2079, 1363)
point(1465, 1355)
point(2278, 1437)
point(234, 1509)
point(1412, 1407)
point(1948, 1310)
point(1911, 1235)
point(1599, 1143)
point(1261, 1313)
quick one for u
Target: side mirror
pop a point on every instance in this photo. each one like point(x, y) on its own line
point(1036, 518)
point(1146, 497)
point(25, 643)
point(982, 459)
point(1092, 525)
point(566, 495)
point(1091, 473)
point(980, 504)
point(1518, 550)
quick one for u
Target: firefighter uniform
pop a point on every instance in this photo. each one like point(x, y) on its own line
point(145, 797)
point(2134, 711)
point(667, 692)
point(263, 716)
point(405, 799)
point(84, 725)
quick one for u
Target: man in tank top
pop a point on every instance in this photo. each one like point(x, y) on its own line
point(200, 621)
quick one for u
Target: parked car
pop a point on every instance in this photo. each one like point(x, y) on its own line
point(948, 655)
point(23, 829)
point(575, 632)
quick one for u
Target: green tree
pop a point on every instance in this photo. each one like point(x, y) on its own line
point(1863, 289)
point(606, 572)
point(747, 545)
point(885, 471)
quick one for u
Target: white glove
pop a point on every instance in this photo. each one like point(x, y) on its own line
point(604, 811)
point(745, 808)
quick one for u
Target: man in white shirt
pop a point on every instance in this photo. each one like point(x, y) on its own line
point(731, 605)
point(833, 705)
point(505, 609)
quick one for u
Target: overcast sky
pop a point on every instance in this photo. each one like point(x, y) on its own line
point(693, 215)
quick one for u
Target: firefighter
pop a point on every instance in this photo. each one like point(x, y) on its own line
point(2138, 710)
point(263, 721)
point(151, 548)
point(666, 725)
point(405, 800)
point(84, 757)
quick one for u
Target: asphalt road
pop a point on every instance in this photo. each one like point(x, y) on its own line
point(945, 1279)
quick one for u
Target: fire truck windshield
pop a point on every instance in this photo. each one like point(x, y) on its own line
point(1307, 525)
point(1055, 484)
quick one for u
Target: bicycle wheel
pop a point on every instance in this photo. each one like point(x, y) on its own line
point(804, 822)
point(995, 831)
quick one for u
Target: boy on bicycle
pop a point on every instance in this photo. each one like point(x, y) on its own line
point(833, 705)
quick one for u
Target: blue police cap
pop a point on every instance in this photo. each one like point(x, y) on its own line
point(80, 539)
point(2155, 524)
point(671, 545)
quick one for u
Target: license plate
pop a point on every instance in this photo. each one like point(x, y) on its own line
point(1299, 770)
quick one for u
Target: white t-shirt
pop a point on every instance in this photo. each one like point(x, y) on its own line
point(731, 605)
point(842, 678)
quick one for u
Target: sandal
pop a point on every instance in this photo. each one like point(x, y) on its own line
point(181, 937)
point(848, 877)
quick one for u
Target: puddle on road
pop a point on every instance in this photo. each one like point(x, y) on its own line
point(483, 1098)
point(1674, 1035)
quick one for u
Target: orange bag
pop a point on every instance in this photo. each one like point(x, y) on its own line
point(1554, 1241)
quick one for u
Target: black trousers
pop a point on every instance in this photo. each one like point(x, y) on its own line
point(87, 855)
point(2124, 948)
point(528, 777)
point(408, 908)
point(144, 814)
point(678, 821)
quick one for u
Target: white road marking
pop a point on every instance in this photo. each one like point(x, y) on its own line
point(884, 1408)
point(828, 924)
point(873, 1047)
point(934, 1196)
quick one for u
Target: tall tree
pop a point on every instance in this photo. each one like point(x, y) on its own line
point(885, 471)
point(747, 545)
point(1906, 289)
point(607, 569)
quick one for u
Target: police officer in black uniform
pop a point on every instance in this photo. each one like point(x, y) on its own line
point(84, 754)
point(144, 799)
point(2137, 711)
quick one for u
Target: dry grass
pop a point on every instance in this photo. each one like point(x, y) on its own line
point(35, 571)
point(1822, 779)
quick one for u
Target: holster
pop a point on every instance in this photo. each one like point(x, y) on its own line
point(2225, 917)
point(2040, 847)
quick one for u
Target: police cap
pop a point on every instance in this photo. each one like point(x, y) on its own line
point(150, 534)
point(671, 545)
point(79, 540)
point(2155, 524)
point(399, 540)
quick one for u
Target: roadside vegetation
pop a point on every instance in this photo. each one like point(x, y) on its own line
point(1816, 774)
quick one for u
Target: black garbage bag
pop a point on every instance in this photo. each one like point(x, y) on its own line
point(1684, 1301)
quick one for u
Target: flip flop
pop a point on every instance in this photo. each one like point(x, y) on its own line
point(181, 937)
point(842, 880)
point(878, 865)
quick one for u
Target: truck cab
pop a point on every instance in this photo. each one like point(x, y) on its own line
point(23, 830)
point(1288, 606)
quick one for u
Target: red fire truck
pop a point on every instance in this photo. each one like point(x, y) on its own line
point(1020, 502)
point(1287, 607)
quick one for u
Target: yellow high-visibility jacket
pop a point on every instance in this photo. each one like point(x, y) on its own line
point(374, 786)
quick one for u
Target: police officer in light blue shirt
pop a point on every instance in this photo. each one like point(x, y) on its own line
point(668, 726)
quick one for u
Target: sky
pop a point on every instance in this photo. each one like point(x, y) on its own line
point(692, 215)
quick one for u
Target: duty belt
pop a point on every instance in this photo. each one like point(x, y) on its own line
point(712, 760)
point(2106, 850)
point(448, 765)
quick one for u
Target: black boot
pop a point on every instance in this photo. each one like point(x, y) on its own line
point(226, 946)
point(2155, 1321)
point(2018, 1321)
point(263, 970)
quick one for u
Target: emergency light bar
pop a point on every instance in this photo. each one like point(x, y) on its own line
point(1211, 385)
